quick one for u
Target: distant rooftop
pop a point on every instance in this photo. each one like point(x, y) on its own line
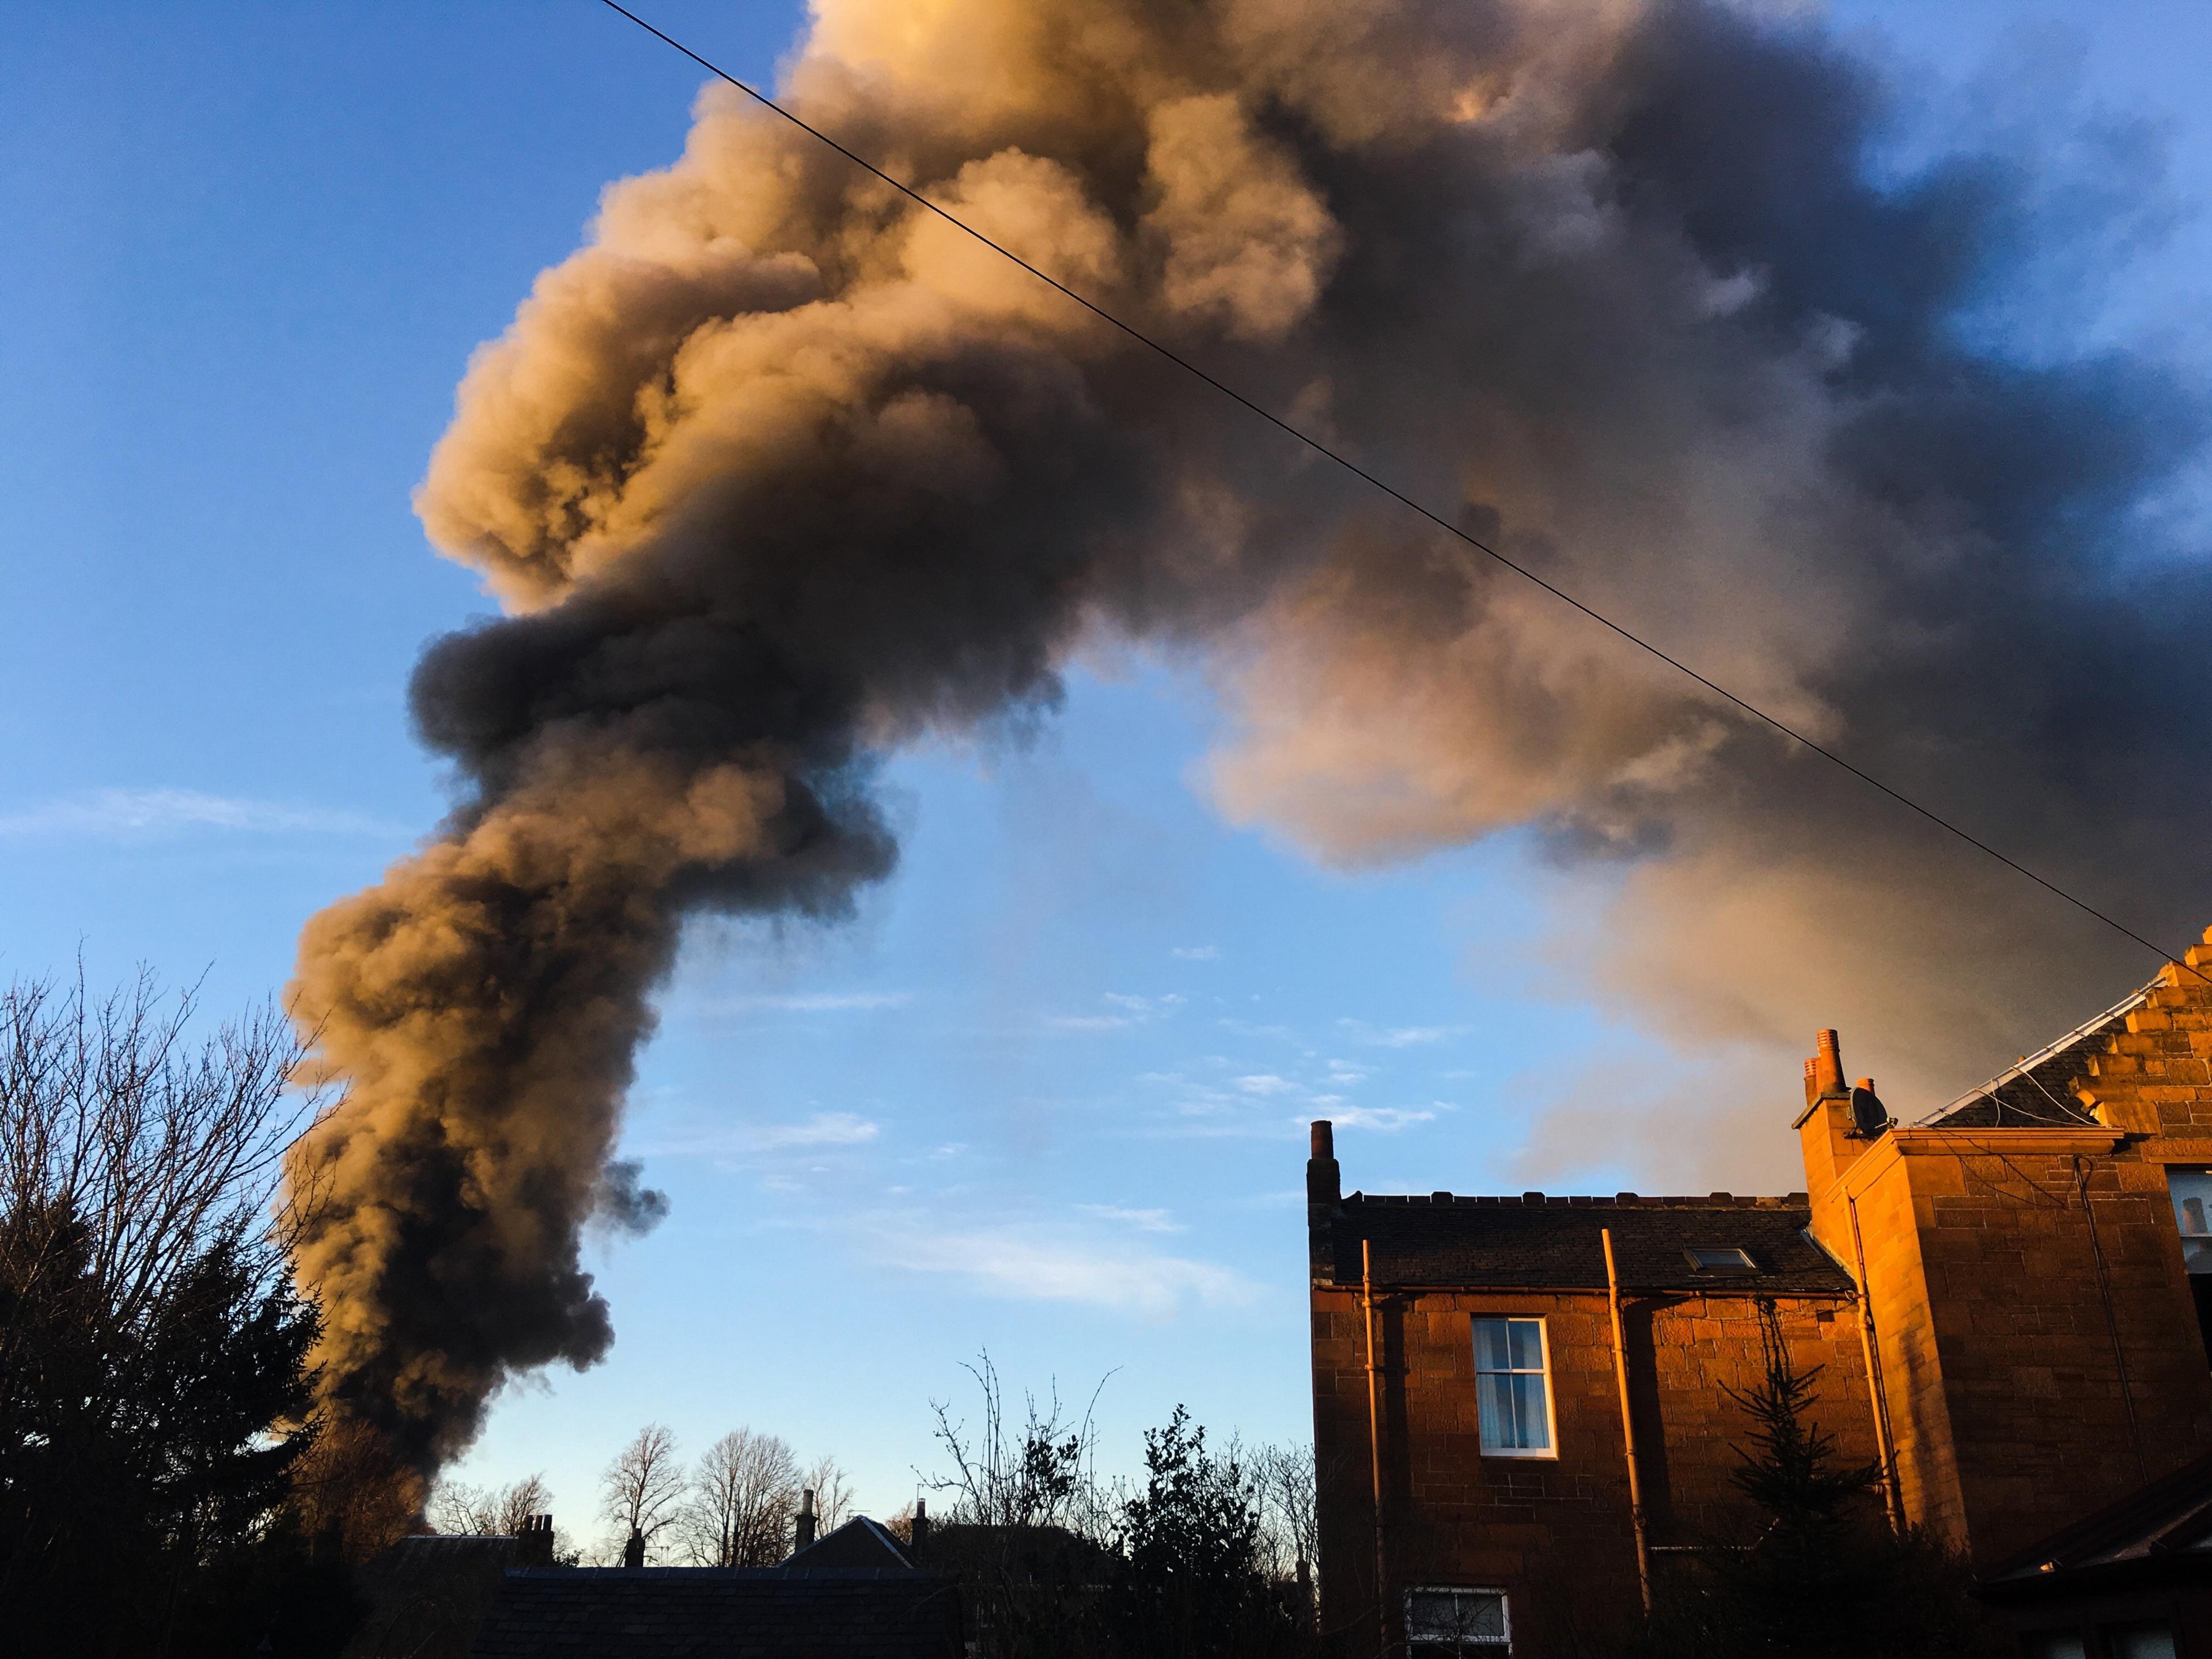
point(681, 1613)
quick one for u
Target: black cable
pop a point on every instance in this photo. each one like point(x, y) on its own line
point(1395, 494)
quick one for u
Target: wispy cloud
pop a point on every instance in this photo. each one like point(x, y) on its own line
point(1196, 953)
point(744, 1141)
point(1267, 1083)
point(150, 814)
point(1386, 1119)
point(1132, 1011)
point(1246, 1029)
point(1143, 1221)
point(1143, 1007)
point(1034, 1265)
point(1400, 1036)
point(817, 1002)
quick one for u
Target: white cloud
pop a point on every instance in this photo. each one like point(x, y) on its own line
point(1143, 1221)
point(147, 814)
point(740, 1141)
point(1245, 1029)
point(1089, 1022)
point(1142, 1007)
point(1386, 1119)
point(1266, 1083)
point(1400, 1037)
point(1026, 1264)
point(1196, 953)
point(819, 1002)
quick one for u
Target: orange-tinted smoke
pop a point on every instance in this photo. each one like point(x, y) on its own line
point(778, 471)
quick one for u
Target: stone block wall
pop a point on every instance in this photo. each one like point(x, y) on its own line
point(2039, 1346)
point(2154, 1078)
point(1554, 1534)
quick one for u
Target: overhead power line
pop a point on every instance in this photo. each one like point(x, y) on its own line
point(1399, 496)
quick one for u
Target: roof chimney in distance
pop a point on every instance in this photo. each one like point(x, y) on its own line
point(633, 1551)
point(533, 1547)
point(1324, 1182)
point(805, 1519)
point(919, 1535)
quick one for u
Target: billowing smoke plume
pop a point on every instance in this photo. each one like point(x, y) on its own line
point(780, 471)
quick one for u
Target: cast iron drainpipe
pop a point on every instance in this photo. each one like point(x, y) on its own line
point(1374, 1440)
point(1627, 1423)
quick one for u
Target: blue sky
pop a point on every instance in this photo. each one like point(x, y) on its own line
point(1045, 1095)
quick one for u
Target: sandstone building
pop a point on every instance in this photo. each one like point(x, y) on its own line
point(1520, 1410)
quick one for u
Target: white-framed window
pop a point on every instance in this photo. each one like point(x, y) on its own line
point(2192, 1213)
point(1513, 1388)
point(1444, 1621)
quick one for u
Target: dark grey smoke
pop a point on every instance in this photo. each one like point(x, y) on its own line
point(778, 473)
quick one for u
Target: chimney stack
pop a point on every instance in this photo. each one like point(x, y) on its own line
point(1324, 1182)
point(633, 1551)
point(1838, 1124)
point(1824, 1072)
point(534, 1544)
point(805, 1519)
point(920, 1533)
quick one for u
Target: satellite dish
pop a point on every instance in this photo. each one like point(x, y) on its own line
point(1869, 1117)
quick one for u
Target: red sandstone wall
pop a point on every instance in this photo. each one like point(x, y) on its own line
point(2156, 1077)
point(2010, 1403)
point(1553, 1533)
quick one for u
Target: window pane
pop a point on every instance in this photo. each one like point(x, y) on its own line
point(1529, 1412)
point(2192, 1213)
point(1494, 1412)
point(1510, 1410)
point(2054, 1645)
point(2140, 1641)
point(1526, 1338)
point(1492, 1351)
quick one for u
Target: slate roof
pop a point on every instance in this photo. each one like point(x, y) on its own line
point(2038, 1091)
point(708, 1613)
point(1538, 1243)
point(860, 1545)
point(2159, 1532)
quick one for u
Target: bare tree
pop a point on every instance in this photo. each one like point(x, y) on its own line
point(832, 1490)
point(642, 1491)
point(1042, 1474)
point(1289, 1511)
point(155, 1398)
point(489, 1511)
point(744, 1492)
point(113, 1121)
point(351, 1488)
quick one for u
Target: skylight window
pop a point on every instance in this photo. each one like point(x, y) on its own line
point(1719, 1259)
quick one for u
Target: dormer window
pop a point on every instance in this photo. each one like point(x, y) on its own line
point(1719, 1259)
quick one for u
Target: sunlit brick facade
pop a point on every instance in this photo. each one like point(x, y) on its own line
point(2034, 1328)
